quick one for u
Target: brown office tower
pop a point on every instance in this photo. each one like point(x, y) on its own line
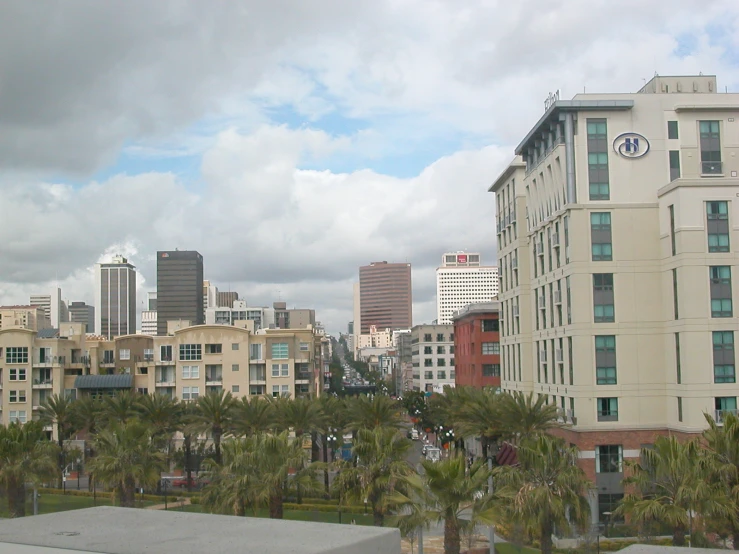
point(385, 296)
point(179, 288)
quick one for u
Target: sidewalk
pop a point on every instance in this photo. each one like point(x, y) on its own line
point(170, 505)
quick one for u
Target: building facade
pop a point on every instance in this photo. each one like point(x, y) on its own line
point(226, 299)
point(186, 364)
point(55, 309)
point(385, 297)
point(432, 352)
point(617, 235)
point(179, 288)
point(462, 280)
point(28, 317)
point(477, 345)
point(263, 318)
point(80, 312)
point(115, 294)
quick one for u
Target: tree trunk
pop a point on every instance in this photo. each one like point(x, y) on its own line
point(379, 517)
point(678, 536)
point(546, 536)
point(187, 445)
point(16, 499)
point(217, 446)
point(128, 493)
point(451, 536)
point(275, 506)
point(60, 442)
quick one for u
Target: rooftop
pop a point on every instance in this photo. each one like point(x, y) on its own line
point(477, 308)
point(108, 530)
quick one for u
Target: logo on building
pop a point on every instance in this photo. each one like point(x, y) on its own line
point(462, 258)
point(630, 145)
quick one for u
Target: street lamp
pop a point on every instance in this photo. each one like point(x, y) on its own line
point(78, 473)
point(608, 520)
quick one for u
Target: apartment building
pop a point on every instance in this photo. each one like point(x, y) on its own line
point(617, 235)
point(477, 345)
point(187, 363)
point(432, 354)
point(28, 317)
point(462, 280)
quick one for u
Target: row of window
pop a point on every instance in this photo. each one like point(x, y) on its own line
point(440, 362)
point(439, 349)
point(440, 337)
point(441, 374)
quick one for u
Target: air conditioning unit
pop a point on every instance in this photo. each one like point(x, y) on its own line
point(514, 263)
point(539, 247)
point(542, 301)
point(555, 240)
point(567, 252)
point(515, 311)
point(558, 355)
point(543, 354)
point(557, 296)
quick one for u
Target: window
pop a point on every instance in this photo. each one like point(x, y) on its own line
point(190, 393)
point(284, 370)
point(600, 236)
point(607, 504)
point(718, 226)
point(213, 348)
point(724, 404)
point(234, 367)
point(275, 391)
point(190, 371)
point(491, 370)
point(285, 390)
point(452, 374)
point(191, 352)
point(280, 351)
point(566, 224)
point(18, 374)
point(255, 352)
point(569, 359)
point(234, 346)
point(603, 307)
point(428, 350)
point(428, 374)
point(605, 359)
point(440, 350)
point(304, 347)
point(441, 374)
point(677, 359)
point(679, 409)
point(440, 337)
point(142, 390)
point(607, 409)
point(710, 137)
point(674, 164)
point(489, 348)
point(124, 354)
point(598, 159)
point(16, 355)
point(609, 458)
point(17, 396)
point(672, 133)
point(672, 228)
point(723, 357)
point(275, 370)
point(165, 353)
point(451, 349)
point(108, 357)
point(569, 301)
point(234, 388)
point(721, 305)
point(18, 415)
point(675, 305)
point(427, 337)
point(490, 326)
point(428, 362)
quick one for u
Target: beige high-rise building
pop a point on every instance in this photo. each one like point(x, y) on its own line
point(461, 280)
point(28, 317)
point(618, 235)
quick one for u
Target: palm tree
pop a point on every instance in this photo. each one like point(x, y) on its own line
point(672, 482)
point(252, 415)
point(257, 472)
point(413, 517)
point(522, 416)
point(477, 413)
point(161, 412)
point(26, 456)
point(189, 429)
point(127, 456)
point(381, 471)
point(370, 412)
point(57, 410)
point(213, 414)
point(121, 407)
point(547, 490)
point(723, 447)
point(86, 416)
point(452, 491)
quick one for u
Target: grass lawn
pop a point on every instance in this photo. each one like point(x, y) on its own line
point(508, 548)
point(50, 503)
point(300, 515)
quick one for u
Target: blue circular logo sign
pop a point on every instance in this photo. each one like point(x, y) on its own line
point(631, 145)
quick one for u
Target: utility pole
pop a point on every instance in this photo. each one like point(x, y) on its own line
point(35, 501)
point(491, 529)
point(420, 540)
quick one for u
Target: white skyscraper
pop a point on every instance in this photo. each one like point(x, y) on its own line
point(54, 307)
point(115, 295)
point(460, 281)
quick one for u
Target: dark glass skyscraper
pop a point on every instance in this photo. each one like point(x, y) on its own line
point(179, 288)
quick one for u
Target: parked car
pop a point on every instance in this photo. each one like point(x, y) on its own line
point(414, 434)
point(194, 483)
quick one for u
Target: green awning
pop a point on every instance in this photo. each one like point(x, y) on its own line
point(123, 381)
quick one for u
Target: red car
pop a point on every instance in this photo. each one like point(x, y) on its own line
point(194, 483)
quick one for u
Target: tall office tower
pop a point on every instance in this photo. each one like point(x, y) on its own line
point(461, 281)
point(80, 312)
point(617, 255)
point(179, 288)
point(385, 298)
point(226, 299)
point(115, 294)
point(149, 315)
point(210, 296)
point(55, 308)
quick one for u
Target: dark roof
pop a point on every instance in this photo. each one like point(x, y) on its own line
point(48, 333)
point(507, 455)
point(124, 381)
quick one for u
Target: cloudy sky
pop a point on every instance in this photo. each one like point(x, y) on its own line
point(291, 141)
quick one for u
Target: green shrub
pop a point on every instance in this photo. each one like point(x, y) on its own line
point(75, 493)
point(195, 500)
point(323, 508)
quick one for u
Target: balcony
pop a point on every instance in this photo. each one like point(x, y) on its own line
point(80, 360)
point(718, 415)
point(42, 383)
point(165, 379)
point(165, 360)
point(50, 361)
point(303, 377)
point(213, 379)
point(257, 377)
point(712, 169)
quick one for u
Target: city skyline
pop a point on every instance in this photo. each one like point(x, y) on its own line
point(349, 135)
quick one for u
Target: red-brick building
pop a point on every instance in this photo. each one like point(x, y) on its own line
point(477, 345)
